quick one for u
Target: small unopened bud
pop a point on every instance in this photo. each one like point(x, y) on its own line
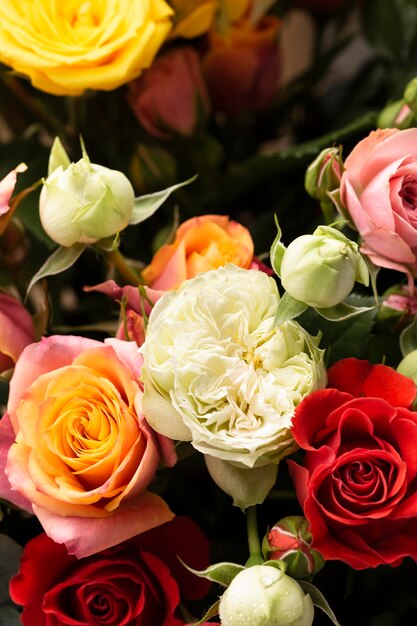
point(83, 202)
point(289, 540)
point(410, 95)
point(398, 308)
point(321, 269)
point(324, 173)
point(408, 366)
point(396, 114)
point(263, 595)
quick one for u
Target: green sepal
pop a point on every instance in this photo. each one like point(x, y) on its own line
point(318, 600)
point(221, 573)
point(342, 311)
point(146, 205)
point(61, 259)
point(277, 250)
point(58, 157)
point(211, 612)
point(288, 308)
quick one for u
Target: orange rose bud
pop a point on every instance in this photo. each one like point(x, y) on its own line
point(201, 244)
point(242, 71)
point(170, 97)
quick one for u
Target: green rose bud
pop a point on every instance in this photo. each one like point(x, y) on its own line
point(263, 595)
point(289, 540)
point(83, 202)
point(410, 95)
point(324, 173)
point(321, 269)
point(408, 366)
point(396, 115)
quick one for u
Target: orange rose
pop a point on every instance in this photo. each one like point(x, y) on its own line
point(201, 244)
point(81, 453)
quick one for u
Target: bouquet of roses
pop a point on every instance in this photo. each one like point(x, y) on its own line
point(208, 344)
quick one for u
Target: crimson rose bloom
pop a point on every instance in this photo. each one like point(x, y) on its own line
point(357, 485)
point(136, 583)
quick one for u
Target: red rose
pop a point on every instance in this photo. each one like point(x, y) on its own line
point(357, 485)
point(136, 583)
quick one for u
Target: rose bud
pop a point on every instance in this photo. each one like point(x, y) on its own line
point(83, 202)
point(396, 114)
point(170, 97)
point(289, 540)
point(323, 176)
point(321, 269)
point(408, 366)
point(398, 308)
point(263, 595)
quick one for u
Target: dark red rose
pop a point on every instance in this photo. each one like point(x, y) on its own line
point(358, 481)
point(136, 583)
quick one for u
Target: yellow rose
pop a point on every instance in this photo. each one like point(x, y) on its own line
point(69, 46)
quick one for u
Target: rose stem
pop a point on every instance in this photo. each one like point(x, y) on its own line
point(255, 552)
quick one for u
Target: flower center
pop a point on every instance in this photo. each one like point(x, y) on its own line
point(408, 193)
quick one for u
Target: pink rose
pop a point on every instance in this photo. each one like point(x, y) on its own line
point(16, 330)
point(169, 96)
point(76, 446)
point(379, 190)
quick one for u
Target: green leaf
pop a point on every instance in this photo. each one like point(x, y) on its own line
point(288, 308)
point(146, 205)
point(222, 573)
point(342, 311)
point(58, 157)
point(318, 600)
point(9, 564)
point(408, 338)
point(348, 338)
point(61, 259)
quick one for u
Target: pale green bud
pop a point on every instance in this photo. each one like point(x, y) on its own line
point(321, 269)
point(263, 595)
point(83, 202)
point(410, 94)
point(396, 114)
point(324, 173)
point(408, 366)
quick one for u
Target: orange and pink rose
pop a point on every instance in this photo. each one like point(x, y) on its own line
point(76, 448)
point(201, 244)
point(16, 330)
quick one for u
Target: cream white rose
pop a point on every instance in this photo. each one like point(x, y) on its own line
point(218, 373)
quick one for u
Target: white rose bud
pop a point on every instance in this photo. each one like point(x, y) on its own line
point(263, 595)
point(83, 202)
point(321, 269)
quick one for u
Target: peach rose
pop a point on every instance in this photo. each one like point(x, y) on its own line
point(379, 190)
point(242, 70)
point(82, 453)
point(201, 244)
point(16, 330)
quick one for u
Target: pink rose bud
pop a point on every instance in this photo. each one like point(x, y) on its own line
point(243, 69)
point(398, 308)
point(396, 114)
point(16, 331)
point(290, 541)
point(322, 179)
point(170, 97)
